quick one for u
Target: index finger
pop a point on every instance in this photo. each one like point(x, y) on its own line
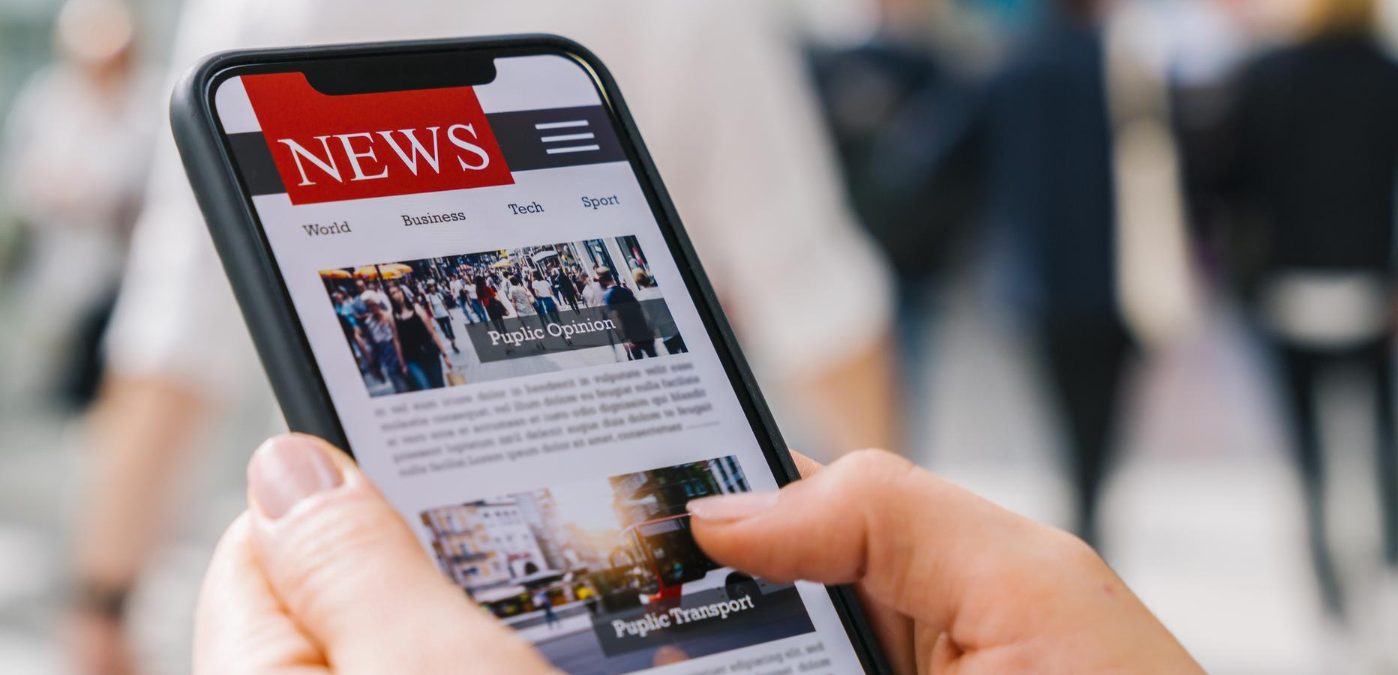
point(916, 543)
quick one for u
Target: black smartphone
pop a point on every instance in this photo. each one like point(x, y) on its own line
point(458, 263)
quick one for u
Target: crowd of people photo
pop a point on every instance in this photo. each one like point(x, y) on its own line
point(405, 322)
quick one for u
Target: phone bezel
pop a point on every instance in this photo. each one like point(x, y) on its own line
point(262, 295)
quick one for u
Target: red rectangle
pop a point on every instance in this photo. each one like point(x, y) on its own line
point(356, 146)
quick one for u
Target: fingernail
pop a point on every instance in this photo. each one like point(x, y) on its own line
point(737, 506)
point(286, 470)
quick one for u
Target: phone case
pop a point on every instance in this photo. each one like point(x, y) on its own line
point(266, 307)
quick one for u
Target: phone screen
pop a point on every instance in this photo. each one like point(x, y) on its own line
point(518, 361)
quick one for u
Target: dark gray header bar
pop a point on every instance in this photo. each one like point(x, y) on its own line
point(530, 140)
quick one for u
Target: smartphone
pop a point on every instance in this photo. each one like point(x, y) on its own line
point(458, 263)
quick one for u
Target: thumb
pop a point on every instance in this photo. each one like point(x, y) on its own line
point(915, 543)
point(353, 576)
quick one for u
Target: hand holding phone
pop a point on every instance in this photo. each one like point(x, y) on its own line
point(323, 571)
point(951, 582)
point(545, 468)
point(304, 579)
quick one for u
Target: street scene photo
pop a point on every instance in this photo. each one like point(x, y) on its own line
point(476, 317)
point(604, 576)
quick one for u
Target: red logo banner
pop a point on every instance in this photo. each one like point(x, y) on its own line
point(356, 146)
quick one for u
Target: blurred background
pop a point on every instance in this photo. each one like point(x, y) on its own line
point(1125, 266)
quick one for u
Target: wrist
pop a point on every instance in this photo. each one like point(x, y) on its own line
point(104, 599)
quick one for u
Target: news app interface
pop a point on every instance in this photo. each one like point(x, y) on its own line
point(518, 364)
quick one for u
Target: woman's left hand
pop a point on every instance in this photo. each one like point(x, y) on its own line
point(321, 575)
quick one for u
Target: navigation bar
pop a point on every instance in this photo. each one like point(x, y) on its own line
point(530, 140)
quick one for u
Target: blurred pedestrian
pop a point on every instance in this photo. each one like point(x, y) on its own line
point(645, 286)
point(543, 602)
point(1314, 174)
point(388, 354)
point(592, 290)
point(369, 295)
point(543, 297)
point(437, 301)
point(895, 104)
point(1050, 193)
point(469, 298)
point(73, 162)
point(350, 325)
point(564, 287)
point(524, 305)
point(626, 313)
point(494, 307)
point(419, 345)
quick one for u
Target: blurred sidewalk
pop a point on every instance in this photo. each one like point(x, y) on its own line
point(40, 474)
point(29, 559)
point(38, 481)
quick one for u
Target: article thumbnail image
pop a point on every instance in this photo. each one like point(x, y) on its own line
point(604, 576)
point(476, 317)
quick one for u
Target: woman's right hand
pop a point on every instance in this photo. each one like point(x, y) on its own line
point(952, 583)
